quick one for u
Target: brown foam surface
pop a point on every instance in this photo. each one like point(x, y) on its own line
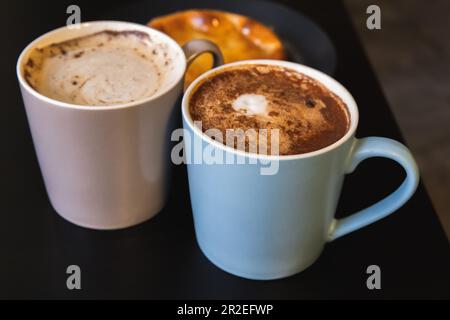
point(309, 116)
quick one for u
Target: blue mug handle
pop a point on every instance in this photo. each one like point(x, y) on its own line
point(378, 147)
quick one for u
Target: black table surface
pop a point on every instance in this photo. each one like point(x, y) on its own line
point(160, 258)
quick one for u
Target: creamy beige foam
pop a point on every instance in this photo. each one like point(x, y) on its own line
point(103, 68)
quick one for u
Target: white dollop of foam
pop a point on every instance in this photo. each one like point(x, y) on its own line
point(252, 104)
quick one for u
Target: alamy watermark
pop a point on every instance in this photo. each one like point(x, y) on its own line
point(373, 282)
point(74, 20)
point(256, 147)
point(73, 281)
point(373, 21)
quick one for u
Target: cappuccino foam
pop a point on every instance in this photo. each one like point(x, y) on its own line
point(250, 97)
point(103, 68)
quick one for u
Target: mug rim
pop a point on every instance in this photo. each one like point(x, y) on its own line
point(325, 80)
point(110, 23)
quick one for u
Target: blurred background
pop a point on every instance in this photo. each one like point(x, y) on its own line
point(411, 57)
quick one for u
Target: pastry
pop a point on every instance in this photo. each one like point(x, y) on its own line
point(239, 37)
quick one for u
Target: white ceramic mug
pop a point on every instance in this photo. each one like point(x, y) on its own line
point(106, 167)
point(272, 226)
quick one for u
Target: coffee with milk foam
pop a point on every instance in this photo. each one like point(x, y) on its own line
point(306, 114)
point(102, 69)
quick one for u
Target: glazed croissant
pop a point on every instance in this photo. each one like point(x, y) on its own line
point(239, 37)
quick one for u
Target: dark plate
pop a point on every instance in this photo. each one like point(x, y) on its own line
point(303, 40)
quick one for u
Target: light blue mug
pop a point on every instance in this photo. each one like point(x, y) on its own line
point(265, 227)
